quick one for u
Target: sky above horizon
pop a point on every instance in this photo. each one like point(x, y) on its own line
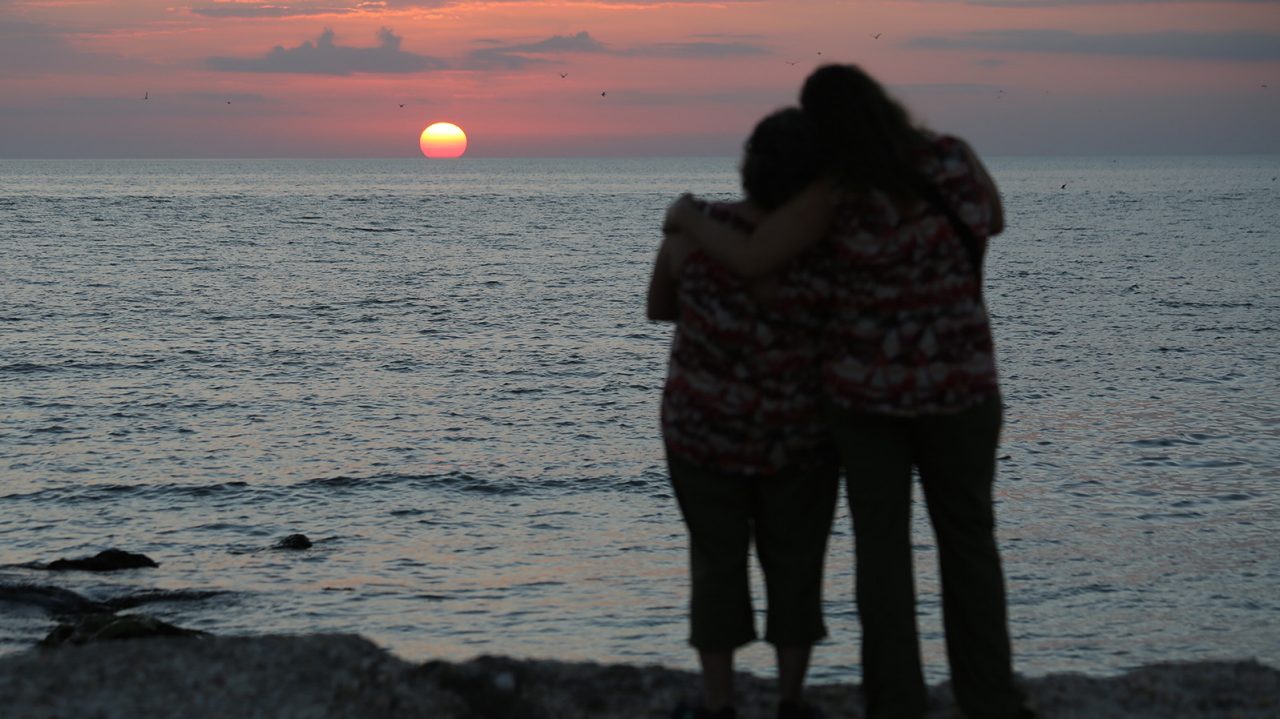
point(353, 78)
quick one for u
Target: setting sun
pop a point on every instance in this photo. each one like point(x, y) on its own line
point(443, 139)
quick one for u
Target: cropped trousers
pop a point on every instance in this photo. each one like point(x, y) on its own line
point(788, 518)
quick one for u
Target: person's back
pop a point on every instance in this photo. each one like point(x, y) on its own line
point(743, 389)
point(910, 334)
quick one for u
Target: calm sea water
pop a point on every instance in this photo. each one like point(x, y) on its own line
point(440, 372)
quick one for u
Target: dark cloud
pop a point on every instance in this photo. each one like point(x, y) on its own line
point(582, 42)
point(519, 55)
point(244, 10)
point(1168, 44)
point(1074, 3)
point(450, 3)
point(32, 49)
point(514, 57)
point(325, 57)
point(698, 49)
point(723, 36)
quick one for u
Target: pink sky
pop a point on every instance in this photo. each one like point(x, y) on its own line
point(326, 78)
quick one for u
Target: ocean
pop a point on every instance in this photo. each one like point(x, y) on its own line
point(440, 372)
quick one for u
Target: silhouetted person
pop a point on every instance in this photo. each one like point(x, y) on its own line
point(747, 449)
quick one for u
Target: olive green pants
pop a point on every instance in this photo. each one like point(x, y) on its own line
point(789, 518)
point(955, 456)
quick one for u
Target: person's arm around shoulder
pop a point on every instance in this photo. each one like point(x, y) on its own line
point(779, 236)
point(996, 224)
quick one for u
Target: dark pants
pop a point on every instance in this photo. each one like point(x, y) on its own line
point(789, 517)
point(955, 456)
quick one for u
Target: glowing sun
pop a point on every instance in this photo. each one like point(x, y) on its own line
point(443, 139)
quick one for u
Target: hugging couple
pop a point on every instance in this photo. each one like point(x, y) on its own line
point(833, 319)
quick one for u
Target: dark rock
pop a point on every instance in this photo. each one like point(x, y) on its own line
point(54, 600)
point(108, 561)
point(103, 627)
point(489, 686)
point(294, 541)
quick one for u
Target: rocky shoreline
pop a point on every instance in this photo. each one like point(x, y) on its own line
point(335, 675)
point(104, 663)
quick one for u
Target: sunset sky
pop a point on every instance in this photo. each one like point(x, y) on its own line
point(345, 78)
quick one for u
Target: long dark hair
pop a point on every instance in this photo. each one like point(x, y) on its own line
point(871, 138)
point(782, 156)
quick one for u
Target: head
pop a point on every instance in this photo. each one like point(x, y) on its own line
point(870, 136)
point(780, 158)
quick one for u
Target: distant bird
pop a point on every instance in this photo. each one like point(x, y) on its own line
point(603, 94)
point(563, 75)
point(402, 104)
point(876, 36)
point(146, 95)
point(1064, 186)
point(228, 102)
point(819, 52)
point(791, 63)
point(1264, 86)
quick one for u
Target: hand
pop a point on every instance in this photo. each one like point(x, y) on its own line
point(678, 248)
point(678, 213)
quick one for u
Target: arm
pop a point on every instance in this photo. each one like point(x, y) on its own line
point(780, 236)
point(996, 225)
point(662, 305)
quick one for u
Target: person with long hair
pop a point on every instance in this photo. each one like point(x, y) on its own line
point(747, 449)
point(908, 375)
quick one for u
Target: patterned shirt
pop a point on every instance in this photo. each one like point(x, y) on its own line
point(909, 334)
point(743, 391)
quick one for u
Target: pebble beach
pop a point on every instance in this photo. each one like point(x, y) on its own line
point(342, 675)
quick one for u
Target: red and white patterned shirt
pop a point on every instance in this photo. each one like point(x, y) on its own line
point(743, 391)
point(909, 334)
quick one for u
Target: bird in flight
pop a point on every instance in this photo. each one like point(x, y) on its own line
point(1064, 186)
point(876, 36)
point(146, 95)
point(789, 62)
point(402, 104)
point(603, 94)
point(563, 75)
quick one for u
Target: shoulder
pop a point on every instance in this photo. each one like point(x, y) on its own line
point(947, 157)
point(741, 216)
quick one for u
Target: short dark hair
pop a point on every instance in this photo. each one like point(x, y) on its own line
point(780, 158)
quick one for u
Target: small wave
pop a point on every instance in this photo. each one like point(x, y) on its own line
point(398, 301)
point(1188, 440)
point(52, 429)
point(1170, 515)
point(26, 368)
point(455, 481)
point(158, 596)
point(82, 494)
point(1206, 305)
